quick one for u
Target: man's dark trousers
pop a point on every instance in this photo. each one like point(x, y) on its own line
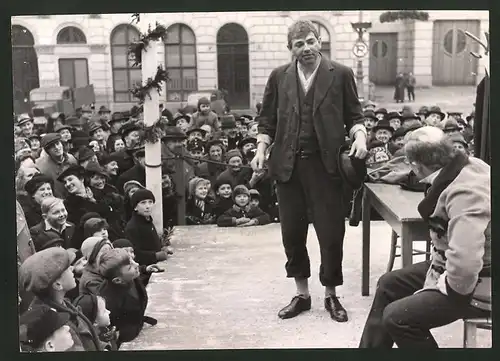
point(398, 316)
point(310, 186)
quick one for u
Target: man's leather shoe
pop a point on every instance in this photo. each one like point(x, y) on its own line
point(297, 306)
point(336, 310)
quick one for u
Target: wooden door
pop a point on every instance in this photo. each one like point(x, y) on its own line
point(383, 58)
point(233, 65)
point(452, 63)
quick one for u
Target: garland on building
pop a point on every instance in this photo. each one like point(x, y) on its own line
point(392, 16)
point(152, 133)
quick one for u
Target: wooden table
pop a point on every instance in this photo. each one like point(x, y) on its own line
point(397, 207)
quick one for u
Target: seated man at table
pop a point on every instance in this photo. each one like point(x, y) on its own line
point(409, 302)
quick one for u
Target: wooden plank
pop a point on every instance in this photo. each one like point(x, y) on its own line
point(401, 203)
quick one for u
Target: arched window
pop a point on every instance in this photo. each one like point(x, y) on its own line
point(125, 76)
point(71, 35)
point(180, 62)
point(325, 39)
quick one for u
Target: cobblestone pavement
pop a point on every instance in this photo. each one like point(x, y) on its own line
point(223, 287)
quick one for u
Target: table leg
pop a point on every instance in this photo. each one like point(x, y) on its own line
point(406, 245)
point(365, 273)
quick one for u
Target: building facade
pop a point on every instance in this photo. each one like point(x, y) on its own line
point(235, 51)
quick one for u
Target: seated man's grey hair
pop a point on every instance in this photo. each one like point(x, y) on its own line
point(300, 29)
point(429, 146)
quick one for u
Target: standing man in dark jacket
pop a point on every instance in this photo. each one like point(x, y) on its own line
point(308, 106)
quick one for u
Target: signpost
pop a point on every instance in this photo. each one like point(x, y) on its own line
point(360, 50)
point(151, 115)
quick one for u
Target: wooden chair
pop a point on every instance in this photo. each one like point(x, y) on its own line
point(470, 330)
point(394, 246)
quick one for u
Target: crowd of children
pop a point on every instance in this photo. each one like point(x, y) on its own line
point(87, 245)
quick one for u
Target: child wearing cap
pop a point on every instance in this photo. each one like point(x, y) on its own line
point(125, 295)
point(141, 231)
point(199, 210)
point(204, 115)
point(92, 249)
point(254, 198)
point(94, 308)
point(241, 214)
point(43, 329)
point(223, 192)
point(49, 276)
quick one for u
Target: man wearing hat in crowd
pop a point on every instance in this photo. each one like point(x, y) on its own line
point(370, 119)
point(451, 126)
point(97, 133)
point(64, 131)
point(204, 115)
point(459, 143)
point(369, 105)
point(308, 106)
point(138, 171)
point(49, 276)
point(53, 160)
point(104, 112)
point(196, 150)
point(422, 112)
point(25, 124)
point(34, 140)
point(228, 127)
point(43, 329)
point(173, 141)
point(209, 170)
point(235, 172)
point(195, 133)
point(85, 155)
point(77, 123)
point(381, 113)
point(85, 111)
point(434, 116)
point(383, 131)
point(109, 162)
point(131, 136)
point(116, 122)
point(394, 119)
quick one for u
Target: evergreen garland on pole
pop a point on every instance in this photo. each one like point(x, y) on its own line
point(153, 133)
point(392, 16)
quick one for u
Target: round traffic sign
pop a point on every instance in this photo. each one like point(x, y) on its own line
point(360, 49)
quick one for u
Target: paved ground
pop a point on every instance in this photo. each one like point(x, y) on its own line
point(453, 98)
point(223, 289)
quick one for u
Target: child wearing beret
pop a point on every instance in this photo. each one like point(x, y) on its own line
point(94, 308)
point(125, 295)
point(49, 276)
point(141, 231)
point(43, 329)
point(241, 214)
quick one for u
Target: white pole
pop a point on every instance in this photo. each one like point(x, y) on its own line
point(151, 114)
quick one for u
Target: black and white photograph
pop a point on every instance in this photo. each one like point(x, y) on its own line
point(252, 180)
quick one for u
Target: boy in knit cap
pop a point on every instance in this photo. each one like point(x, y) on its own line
point(235, 173)
point(125, 295)
point(49, 276)
point(199, 210)
point(223, 195)
point(92, 249)
point(42, 329)
point(241, 214)
point(205, 116)
point(96, 227)
point(141, 231)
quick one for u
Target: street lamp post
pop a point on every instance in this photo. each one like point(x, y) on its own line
point(360, 28)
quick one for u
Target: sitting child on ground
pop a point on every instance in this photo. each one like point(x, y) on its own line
point(125, 295)
point(241, 214)
point(43, 329)
point(94, 308)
